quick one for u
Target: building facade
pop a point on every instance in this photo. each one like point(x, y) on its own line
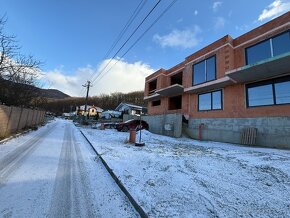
point(130, 109)
point(92, 111)
point(228, 87)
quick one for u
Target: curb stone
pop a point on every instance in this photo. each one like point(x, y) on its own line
point(134, 203)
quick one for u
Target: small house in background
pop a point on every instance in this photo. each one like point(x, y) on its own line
point(92, 110)
point(130, 109)
point(68, 115)
point(111, 114)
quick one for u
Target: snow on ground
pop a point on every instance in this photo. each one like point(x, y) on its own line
point(57, 175)
point(187, 178)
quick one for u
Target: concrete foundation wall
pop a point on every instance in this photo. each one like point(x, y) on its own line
point(272, 131)
point(14, 119)
point(169, 124)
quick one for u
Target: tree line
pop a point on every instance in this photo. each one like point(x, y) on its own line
point(18, 72)
point(104, 101)
point(18, 82)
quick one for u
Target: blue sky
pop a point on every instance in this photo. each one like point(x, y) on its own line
point(72, 37)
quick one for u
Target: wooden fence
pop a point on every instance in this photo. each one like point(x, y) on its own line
point(15, 119)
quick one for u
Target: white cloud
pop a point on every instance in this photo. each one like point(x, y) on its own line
point(123, 77)
point(216, 6)
point(196, 12)
point(219, 23)
point(275, 9)
point(187, 38)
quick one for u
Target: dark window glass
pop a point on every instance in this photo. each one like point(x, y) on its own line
point(270, 92)
point(204, 102)
point(282, 92)
point(217, 100)
point(281, 44)
point(199, 73)
point(260, 95)
point(210, 69)
point(204, 71)
point(258, 52)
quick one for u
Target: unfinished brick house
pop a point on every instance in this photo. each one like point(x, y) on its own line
point(231, 90)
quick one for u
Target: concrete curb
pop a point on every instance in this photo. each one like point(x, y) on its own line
point(137, 207)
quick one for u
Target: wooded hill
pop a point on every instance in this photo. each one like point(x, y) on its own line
point(104, 101)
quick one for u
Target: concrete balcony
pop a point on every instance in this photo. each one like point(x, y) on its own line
point(208, 86)
point(152, 97)
point(271, 67)
point(172, 90)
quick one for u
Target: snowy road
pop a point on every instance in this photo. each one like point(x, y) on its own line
point(53, 172)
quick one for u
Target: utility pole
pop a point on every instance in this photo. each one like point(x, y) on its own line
point(87, 85)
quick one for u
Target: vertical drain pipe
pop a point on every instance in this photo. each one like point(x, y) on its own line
point(200, 127)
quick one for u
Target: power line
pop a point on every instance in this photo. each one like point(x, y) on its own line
point(127, 40)
point(125, 28)
point(139, 38)
point(128, 24)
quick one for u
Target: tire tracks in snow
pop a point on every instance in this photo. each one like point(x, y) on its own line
point(13, 160)
point(71, 195)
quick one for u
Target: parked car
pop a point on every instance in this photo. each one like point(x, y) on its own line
point(132, 124)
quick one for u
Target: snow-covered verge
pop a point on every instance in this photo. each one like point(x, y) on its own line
point(188, 178)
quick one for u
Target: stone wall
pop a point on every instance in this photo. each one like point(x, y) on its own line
point(14, 119)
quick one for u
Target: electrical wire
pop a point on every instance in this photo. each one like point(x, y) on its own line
point(127, 40)
point(139, 38)
point(123, 31)
point(128, 24)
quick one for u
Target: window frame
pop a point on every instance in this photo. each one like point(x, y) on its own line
point(215, 70)
point(271, 47)
point(271, 82)
point(211, 100)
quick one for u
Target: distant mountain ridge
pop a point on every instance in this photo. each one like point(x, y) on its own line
point(46, 93)
point(52, 93)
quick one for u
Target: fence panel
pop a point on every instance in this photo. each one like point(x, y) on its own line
point(14, 119)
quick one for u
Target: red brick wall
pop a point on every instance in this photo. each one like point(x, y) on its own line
point(230, 54)
point(259, 34)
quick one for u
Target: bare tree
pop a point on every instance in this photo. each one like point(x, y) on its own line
point(18, 73)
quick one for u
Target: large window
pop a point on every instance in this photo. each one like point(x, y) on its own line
point(204, 71)
point(210, 101)
point(269, 48)
point(270, 92)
